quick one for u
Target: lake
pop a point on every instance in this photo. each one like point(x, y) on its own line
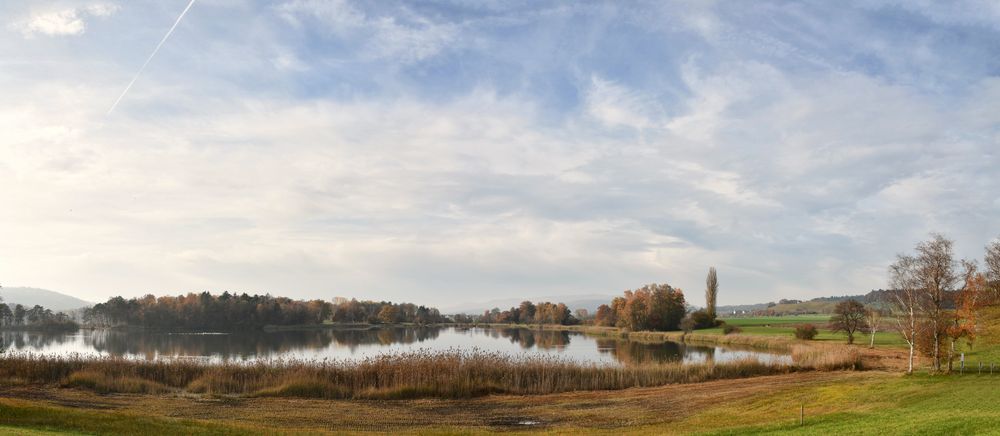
point(359, 343)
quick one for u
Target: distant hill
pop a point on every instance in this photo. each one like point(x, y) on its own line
point(820, 305)
point(739, 308)
point(48, 299)
point(589, 302)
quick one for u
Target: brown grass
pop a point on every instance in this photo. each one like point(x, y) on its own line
point(827, 358)
point(106, 383)
point(450, 374)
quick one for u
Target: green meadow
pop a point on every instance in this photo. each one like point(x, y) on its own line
point(785, 326)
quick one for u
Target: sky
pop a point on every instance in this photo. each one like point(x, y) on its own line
point(449, 151)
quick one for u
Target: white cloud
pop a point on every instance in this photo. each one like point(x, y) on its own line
point(62, 22)
point(616, 105)
point(287, 61)
point(101, 9)
point(404, 36)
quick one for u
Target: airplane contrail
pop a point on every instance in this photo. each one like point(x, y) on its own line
point(179, 18)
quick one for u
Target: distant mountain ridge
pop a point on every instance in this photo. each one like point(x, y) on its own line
point(30, 297)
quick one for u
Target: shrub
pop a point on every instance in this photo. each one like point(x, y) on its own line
point(703, 320)
point(806, 332)
point(729, 329)
point(687, 324)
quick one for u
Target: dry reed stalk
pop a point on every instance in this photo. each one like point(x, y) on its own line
point(447, 374)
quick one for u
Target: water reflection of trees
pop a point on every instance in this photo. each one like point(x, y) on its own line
point(630, 352)
point(248, 345)
point(525, 338)
point(624, 351)
point(544, 339)
point(34, 340)
point(260, 344)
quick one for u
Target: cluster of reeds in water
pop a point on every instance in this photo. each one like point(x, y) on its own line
point(446, 374)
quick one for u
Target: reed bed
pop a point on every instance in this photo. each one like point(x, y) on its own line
point(826, 357)
point(448, 374)
point(753, 341)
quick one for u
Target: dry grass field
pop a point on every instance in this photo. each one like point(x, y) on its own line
point(839, 402)
point(678, 407)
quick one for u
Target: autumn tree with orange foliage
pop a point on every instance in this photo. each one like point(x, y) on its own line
point(969, 301)
point(605, 316)
point(657, 307)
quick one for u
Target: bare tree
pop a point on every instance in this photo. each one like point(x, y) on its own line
point(904, 297)
point(937, 274)
point(992, 272)
point(849, 317)
point(711, 291)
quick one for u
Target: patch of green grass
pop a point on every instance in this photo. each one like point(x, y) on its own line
point(789, 320)
point(4, 431)
point(919, 404)
point(785, 326)
point(23, 417)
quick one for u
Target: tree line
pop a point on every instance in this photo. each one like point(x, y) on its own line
point(34, 318)
point(228, 311)
point(652, 307)
point(526, 313)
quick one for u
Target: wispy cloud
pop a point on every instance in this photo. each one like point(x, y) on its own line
point(404, 35)
point(615, 105)
point(61, 21)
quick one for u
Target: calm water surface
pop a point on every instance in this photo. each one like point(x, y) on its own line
point(361, 343)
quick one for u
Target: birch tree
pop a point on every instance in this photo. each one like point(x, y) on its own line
point(904, 297)
point(937, 274)
point(874, 318)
